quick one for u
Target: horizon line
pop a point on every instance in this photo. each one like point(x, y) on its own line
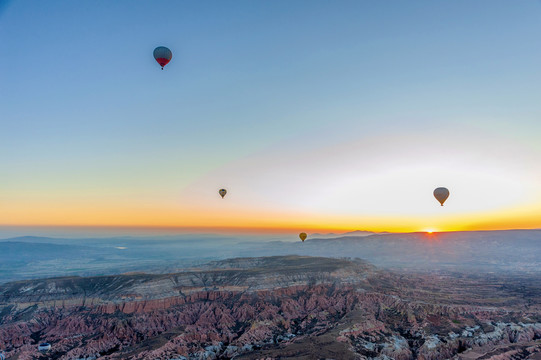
point(247, 230)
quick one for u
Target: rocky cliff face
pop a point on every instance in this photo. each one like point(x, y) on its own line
point(280, 307)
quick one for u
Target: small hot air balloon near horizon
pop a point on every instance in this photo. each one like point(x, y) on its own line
point(222, 192)
point(441, 194)
point(303, 236)
point(162, 55)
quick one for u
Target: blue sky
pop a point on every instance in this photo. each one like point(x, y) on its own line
point(89, 121)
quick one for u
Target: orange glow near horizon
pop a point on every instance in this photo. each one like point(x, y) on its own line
point(243, 221)
point(339, 207)
point(291, 190)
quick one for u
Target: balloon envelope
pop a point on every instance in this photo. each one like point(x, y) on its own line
point(162, 55)
point(303, 236)
point(441, 194)
point(222, 192)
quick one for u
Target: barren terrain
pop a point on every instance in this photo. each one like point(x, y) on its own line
point(282, 307)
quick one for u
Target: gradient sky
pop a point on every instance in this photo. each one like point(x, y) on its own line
point(313, 114)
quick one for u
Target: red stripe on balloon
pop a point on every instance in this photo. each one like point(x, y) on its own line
point(163, 61)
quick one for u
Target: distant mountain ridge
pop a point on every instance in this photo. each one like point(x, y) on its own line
point(33, 251)
point(486, 251)
point(335, 235)
point(33, 239)
point(509, 250)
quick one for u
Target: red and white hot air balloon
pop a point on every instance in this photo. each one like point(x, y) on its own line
point(162, 55)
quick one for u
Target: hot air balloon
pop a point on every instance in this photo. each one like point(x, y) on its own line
point(222, 192)
point(303, 236)
point(162, 55)
point(441, 194)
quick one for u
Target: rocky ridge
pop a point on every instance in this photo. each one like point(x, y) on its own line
point(275, 307)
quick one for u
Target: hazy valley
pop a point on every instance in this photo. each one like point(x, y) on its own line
point(486, 251)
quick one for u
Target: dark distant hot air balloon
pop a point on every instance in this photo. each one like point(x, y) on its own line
point(441, 194)
point(303, 236)
point(162, 55)
point(222, 192)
